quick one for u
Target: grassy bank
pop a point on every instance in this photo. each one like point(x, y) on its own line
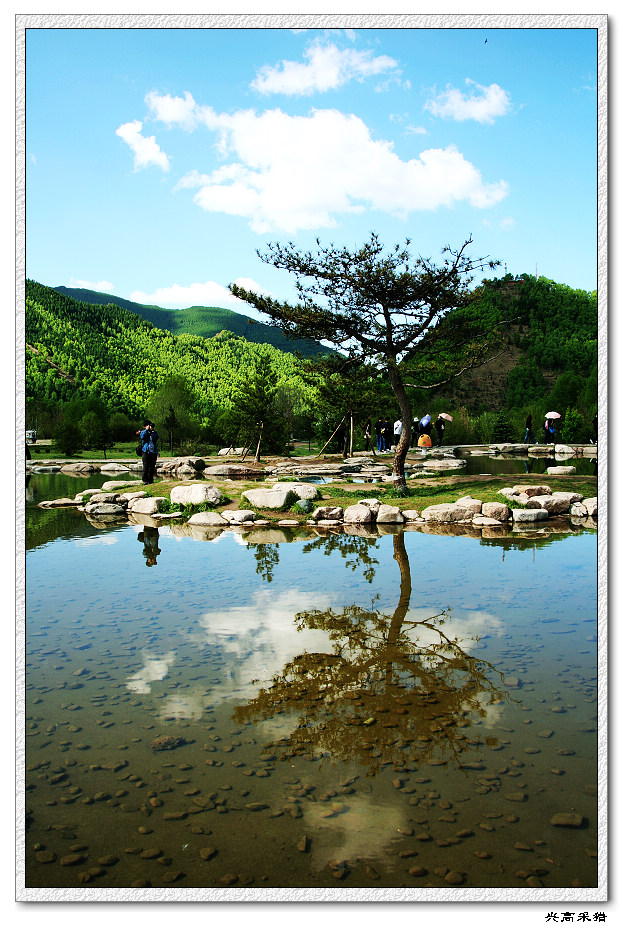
point(423, 492)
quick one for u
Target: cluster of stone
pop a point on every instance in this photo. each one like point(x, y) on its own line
point(534, 503)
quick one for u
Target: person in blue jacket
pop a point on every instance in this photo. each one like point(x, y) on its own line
point(149, 442)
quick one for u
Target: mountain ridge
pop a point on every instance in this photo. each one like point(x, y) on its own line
point(201, 321)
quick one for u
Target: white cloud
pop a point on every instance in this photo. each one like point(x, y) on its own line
point(173, 110)
point(155, 668)
point(206, 294)
point(104, 287)
point(146, 150)
point(483, 104)
point(326, 68)
point(289, 173)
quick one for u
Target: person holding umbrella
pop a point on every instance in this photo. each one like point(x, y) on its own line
point(440, 425)
point(548, 426)
point(425, 428)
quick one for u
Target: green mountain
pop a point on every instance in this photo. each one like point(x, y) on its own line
point(203, 321)
point(77, 349)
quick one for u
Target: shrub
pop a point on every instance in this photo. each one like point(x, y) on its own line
point(503, 428)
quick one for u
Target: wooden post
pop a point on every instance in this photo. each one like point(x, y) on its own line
point(331, 437)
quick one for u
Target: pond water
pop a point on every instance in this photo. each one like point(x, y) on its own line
point(515, 465)
point(403, 710)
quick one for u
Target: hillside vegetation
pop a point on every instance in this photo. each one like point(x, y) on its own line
point(202, 321)
point(111, 360)
point(91, 362)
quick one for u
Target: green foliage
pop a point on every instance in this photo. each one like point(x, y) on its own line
point(125, 363)
point(559, 323)
point(207, 322)
point(566, 390)
point(67, 437)
point(484, 426)
point(525, 380)
point(575, 428)
point(503, 428)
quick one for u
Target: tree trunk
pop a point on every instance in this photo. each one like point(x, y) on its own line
point(259, 442)
point(398, 471)
point(350, 445)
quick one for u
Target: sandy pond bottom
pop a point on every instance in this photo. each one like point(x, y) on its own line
point(328, 733)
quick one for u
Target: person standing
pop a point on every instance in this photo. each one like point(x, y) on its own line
point(550, 431)
point(378, 430)
point(149, 443)
point(440, 427)
point(529, 434)
point(397, 431)
point(387, 434)
point(367, 434)
point(415, 431)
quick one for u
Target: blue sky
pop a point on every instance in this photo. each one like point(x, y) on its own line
point(159, 160)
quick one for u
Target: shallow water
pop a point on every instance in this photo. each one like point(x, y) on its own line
point(516, 465)
point(406, 710)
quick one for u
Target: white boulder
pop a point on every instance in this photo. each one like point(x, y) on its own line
point(145, 504)
point(553, 505)
point(446, 513)
point(207, 518)
point(591, 506)
point(532, 490)
point(471, 503)
point(389, 514)
point(496, 511)
point(328, 513)
point(303, 489)
point(195, 494)
point(358, 513)
point(373, 503)
point(238, 516)
point(113, 467)
point(266, 499)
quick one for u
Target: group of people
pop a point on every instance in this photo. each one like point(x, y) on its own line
point(549, 430)
point(387, 434)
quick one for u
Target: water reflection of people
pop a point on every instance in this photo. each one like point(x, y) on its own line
point(149, 537)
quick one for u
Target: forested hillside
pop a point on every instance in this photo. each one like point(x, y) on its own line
point(92, 363)
point(77, 350)
point(547, 347)
point(203, 321)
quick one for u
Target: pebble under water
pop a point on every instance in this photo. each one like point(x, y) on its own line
point(273, 709)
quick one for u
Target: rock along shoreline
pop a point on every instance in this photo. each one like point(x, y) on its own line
point(523, 506)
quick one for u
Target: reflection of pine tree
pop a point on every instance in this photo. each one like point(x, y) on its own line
point(393, 690)
point(354, 550)
point(267, 557)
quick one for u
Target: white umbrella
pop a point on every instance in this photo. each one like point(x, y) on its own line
point(446, 416)
point(552, 415)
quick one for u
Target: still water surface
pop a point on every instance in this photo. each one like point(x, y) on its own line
point(401, 710)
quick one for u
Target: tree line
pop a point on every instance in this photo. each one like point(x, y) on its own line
point(93, 371)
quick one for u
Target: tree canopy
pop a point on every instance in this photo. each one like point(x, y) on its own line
point(373, 304)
